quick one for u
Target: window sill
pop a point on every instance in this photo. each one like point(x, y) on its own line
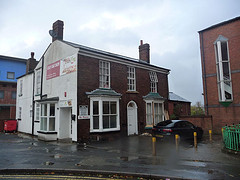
point(225, 103)
point(148, 127)
point(104, 130)
point(47, 132)
point(132, 92)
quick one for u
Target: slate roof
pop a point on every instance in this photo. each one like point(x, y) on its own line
point(103, 92)
point(89, 49)
point(153, 96)
point(175, 97)
point(12, 58)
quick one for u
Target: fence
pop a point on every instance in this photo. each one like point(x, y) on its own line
point(231, 137)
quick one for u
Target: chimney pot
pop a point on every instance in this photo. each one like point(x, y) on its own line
point(141, 42)
point(31, 63)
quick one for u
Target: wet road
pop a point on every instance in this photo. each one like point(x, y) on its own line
point(128, 154)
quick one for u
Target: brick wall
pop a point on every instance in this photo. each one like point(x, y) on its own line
point(185, 108)
point(8, 111)
point(205, 122)
point(88, 80)
point(222, 115)
point(8, 88)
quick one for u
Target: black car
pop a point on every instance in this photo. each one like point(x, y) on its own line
point(183, 128)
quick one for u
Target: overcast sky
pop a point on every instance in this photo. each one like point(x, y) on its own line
point(169, 26)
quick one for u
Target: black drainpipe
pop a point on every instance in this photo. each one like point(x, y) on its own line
point(204, 74)
point(42, 77)
point(33, 103)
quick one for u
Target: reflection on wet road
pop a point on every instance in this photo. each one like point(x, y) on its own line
point(128, 154)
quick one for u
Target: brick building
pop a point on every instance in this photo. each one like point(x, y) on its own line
point(83, 93)
point(220, 53)
point(178, 106)
point(10, 69)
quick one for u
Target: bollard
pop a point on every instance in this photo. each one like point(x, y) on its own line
point(154, 146)
point(210, 135)
point(177, 141)
point(195, 139)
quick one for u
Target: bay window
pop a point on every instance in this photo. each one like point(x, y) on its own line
point(47, 122)
point(154, 112)
point(104, 114)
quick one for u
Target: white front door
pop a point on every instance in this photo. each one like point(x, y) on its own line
point(132, 118)
point(65, 123)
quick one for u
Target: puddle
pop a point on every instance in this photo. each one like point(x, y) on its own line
point(128, 158)
point(193, 163)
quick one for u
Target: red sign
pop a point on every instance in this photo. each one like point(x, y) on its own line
point(53, 70)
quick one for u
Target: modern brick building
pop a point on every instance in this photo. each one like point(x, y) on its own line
point(220, 58)
point(10, 69)
point(82, 93)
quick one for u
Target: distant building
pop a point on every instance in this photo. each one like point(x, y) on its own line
point(220, 57)
point(10, 69)
point(178, 106)
point(83, 93)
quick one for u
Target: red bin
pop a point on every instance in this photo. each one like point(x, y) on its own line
point(10, 126)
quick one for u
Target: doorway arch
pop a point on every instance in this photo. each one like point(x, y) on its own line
point(132, 118)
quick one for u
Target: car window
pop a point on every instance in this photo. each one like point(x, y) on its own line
point(164, 123)
point(178, 125)
point(188, 124)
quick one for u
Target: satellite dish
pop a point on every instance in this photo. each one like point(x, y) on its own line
point(53, 33)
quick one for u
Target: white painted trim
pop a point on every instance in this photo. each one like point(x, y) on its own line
point(136, 116)
point(100, 100)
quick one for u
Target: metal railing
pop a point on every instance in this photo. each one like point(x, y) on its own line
point(231, 137)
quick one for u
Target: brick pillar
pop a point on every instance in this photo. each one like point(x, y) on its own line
point(58, 30)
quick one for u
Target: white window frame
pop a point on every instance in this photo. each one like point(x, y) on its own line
point(19, 112)
point(37, 111)
point(20, 88)
point(153, 81)
point(100, 114)
point(38, 82)
point(104, 74)
point(152, 115)
point(47, 116)
point(10, 74)
point(131, 79)
point(224, 82)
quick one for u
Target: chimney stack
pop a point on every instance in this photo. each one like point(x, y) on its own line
point(57, 30)
point(144, 52)
point(31, 63)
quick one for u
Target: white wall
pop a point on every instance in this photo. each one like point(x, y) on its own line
point(25, 102)
point(56, 87)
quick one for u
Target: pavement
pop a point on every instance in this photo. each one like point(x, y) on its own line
point(127, 156)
